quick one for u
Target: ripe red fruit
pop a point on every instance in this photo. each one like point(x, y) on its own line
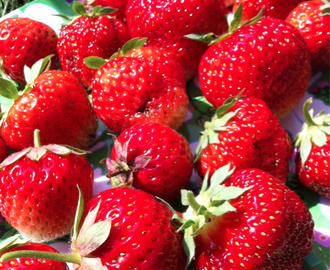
point(269, 59)
point(278, 9)
point(313, 145)
point(165, 23)
point(151, 157)
point(94, 34)
point(245, 134)
point(252, 221)
point(24, 41)
point(3, 150)
point(143, 85)
point(56, 104)
point(38, 189)
point(313, 20)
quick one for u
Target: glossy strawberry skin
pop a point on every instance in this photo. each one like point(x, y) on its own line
point(165, 23)
point(32, 264)
point(271, 228)
point(58, 106)
point(315, 172)
point(269, 59)
point(171, 163)
point(100, 36)
point(24, 41)
point(278, 9)
point(149, 81)
point(44, 208)
point(120, 5)
point(142, 235)
point(315, 30)
point(254, 138)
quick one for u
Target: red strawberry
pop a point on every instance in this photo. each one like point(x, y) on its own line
point(55, 103)
point(278, 9)
point(46, 178)
point(24, 41)
point(252, 221)
point(165, 23)
point(151, 157)
point(3, 150)
point(269, 59)
point(94, 34)
point(141, 85)
point(120, 5)
point(312, 18)
point(245, 134)
point(313, 144)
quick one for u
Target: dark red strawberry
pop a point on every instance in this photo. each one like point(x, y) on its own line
point(252, 221)
point(94, 34)
point(165, 24)
point(313, 145)
point(55, 103)
point(140, 85)
point(24, 41)
point(268, 58)
point(312, 18)
point(3, 150)
point(245, 134)
point(38, 189)
point(151, 157)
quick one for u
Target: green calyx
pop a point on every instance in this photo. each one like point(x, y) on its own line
point(212, 201)
point(314, 131)
point(234, 25)
point(325, 9)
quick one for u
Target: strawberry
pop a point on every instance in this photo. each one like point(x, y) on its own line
point(46, 178)
point(165, 23)
point(151, 157)
point(313, 145)
point(278, 9)
point(94, 34)
point(55, 103)
point(312, 18)
point(3, 150)
point(268, 58)
point(24, 41)
point(28, 263)
point(147, 79)
point(249, 221)
point(246, 134)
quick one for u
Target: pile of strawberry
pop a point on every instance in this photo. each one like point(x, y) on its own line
point(127, 66)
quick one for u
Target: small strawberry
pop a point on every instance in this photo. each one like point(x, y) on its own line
point(249, 221)
point(151, 157)
point(139, 85)
point(165, 23)
point(313, 145)
point(12, 245)
point(278, 9)
point(312, 18)
point(23, 42)
point(38, 189)
point(266, 57)
point(246, 134)
point(55, 103)
point(94, 34)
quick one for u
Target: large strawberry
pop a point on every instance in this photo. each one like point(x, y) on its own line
point(246, 134)
point(38, 189)
point(24, 41)
point(55, 103)
point(268, 58)
point(139, 85)
point(312, 18)
point(94, 34)
point(165, 23)
point(278, 9)
point(249, 221)
point(313, 145)
point(151, 157)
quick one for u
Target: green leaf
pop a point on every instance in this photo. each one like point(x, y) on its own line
point(132, 44)
point(255, 19)
point(325, 129)
point(78, 215)
point(305, 149)
point(205, 182)
point(14, 157)
point(106, 10)
point(94, 62)
point(184, 198)
point(204, 38)
point(8, 89)
point(187, 224)
point(220, 175)
point(220, 210)
point(230, 193)
point(235, 23)
point(16, 239)
point(319, 137)
point(189, 245)
point(79, 8)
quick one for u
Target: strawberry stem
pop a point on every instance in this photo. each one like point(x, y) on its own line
point(36, 138)
point(71, 258)
point(308, 118)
